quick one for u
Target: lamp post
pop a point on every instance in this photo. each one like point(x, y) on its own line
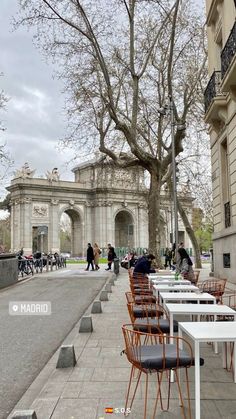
point(176, 235)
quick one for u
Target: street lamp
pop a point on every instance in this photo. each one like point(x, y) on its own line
point(176, 236)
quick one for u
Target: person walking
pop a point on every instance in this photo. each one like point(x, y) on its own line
point(168, 257)
point(111, 255)
point(96, 252)
point(90, 257)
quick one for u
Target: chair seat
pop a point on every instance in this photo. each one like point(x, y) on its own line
point(152, 357)
point(149, 325)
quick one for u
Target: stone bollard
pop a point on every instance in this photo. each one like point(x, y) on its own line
point(86, 325)
point(108, 288)
point(24, 414)
point(111, 281)
point(66, 357)
point(96, 307)
point(116, 267)
point(103, 296)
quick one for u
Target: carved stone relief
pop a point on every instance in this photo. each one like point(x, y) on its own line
point(40, 210)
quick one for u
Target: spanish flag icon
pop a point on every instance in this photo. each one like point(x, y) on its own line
point(109, 410)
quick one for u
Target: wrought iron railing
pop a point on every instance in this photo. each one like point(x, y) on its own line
point(212, 89)
point(227, 215)
point(228, 51)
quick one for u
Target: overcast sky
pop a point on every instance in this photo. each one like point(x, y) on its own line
point(35, 119)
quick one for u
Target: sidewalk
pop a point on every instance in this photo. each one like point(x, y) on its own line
point(100, 378)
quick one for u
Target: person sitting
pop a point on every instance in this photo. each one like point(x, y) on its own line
point(143, 265)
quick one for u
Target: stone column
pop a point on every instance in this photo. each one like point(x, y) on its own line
point(88, 224)
point(143, 225)
point(27, 228)
point(54, 227)
point(109, 227)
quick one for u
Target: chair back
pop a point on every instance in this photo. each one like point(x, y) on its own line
point(215, 287)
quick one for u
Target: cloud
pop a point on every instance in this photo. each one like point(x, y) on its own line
point(35, 118)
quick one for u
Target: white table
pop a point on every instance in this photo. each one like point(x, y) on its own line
point(174, 288)
point(197, 309)
point(207, 332)
point(171, 281)
point(153, 277)
point(186, 296)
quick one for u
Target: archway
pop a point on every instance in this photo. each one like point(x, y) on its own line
point(71, 233)
point(124, 229)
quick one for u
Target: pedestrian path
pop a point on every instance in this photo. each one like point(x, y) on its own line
point(99, 380)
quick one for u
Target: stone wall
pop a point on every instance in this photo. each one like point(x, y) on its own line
point(8, 269)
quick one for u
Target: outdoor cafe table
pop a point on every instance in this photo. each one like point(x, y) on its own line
point(174, 288)
point(152, 277)
point(186, 296)
point(197, 310)
point(207, 332)
point(171, 281)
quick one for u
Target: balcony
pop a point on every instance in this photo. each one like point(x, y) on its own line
point(212, 89)
point(228, 61)
point(215, 102)
point(227, 214)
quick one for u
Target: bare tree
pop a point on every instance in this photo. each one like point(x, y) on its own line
point(122, 60)
point(5, 159)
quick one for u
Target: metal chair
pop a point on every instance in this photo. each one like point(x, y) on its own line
point(151, 353)
point(214, 287)
point(150, 318)
point(140, 298)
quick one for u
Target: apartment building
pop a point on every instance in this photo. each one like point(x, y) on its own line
point(220, 114)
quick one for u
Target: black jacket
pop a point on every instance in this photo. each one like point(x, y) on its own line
point(90, 255)
point(143, 266)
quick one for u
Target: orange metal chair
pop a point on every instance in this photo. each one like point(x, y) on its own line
point(150, 318)
point(214, 287)
point(151, 353)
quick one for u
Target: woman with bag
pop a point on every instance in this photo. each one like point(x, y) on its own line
point(96, 252)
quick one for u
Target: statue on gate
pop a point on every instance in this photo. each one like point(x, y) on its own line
point(25, 172)
point(53, 176)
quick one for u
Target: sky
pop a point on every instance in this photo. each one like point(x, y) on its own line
point(35, 118)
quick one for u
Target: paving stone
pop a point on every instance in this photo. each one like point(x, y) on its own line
point(81, 374)
point(44, 407)
point(76, 409)
point(72, 390)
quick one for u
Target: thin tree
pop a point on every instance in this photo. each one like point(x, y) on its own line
point(122, 60)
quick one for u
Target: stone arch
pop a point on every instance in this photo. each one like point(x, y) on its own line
point(124, 228)
point(77, 236)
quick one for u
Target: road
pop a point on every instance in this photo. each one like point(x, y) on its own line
point(28, 342)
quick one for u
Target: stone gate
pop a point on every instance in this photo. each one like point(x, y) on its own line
point(105, 204)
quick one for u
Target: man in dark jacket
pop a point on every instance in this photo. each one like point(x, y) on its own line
point(143, 265)
point(110, 256)
point(90, 257)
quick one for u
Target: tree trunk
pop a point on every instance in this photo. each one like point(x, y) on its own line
point(189, 230)
point(154, 217)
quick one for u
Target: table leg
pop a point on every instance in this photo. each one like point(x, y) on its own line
point(234, 362)
point(197, 381)
point(172, 377)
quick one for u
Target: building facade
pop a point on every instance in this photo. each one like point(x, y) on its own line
point(220, 114)
point(105, 205)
